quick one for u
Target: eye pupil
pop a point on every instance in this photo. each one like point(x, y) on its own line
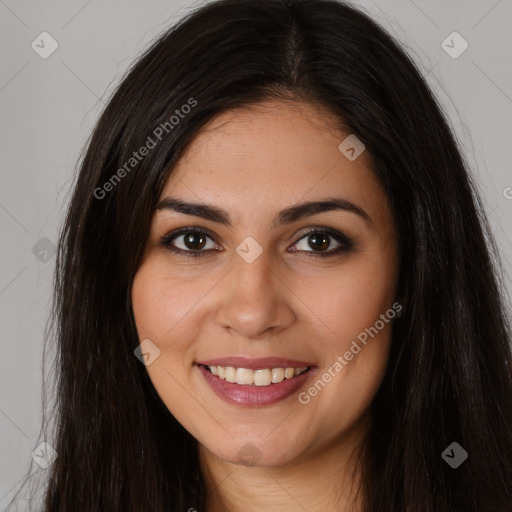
point(319, 241)
point(189, 240)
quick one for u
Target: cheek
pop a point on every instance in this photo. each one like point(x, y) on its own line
point(158, 308)
point(351, 299)
point(162, 304)
point(149, 304)
point(355, 348)
point(350, 305)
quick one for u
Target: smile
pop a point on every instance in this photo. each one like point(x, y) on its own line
point(249, 377)
point(254, 388)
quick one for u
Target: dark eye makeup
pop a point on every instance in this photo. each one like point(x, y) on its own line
point(320, 235)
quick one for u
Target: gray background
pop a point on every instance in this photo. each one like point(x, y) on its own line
point(49, 106)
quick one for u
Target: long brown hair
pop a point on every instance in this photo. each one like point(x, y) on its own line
point(449, 376)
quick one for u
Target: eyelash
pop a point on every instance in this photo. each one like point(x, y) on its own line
point(346, 243)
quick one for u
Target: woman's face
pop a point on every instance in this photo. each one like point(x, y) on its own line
point(261, 288)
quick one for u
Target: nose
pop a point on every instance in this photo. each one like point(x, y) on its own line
point(255, 300)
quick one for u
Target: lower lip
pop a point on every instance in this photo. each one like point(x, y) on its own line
point(251, 395)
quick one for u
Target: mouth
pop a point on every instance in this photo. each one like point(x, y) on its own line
point(261, 377)
point(259, 387)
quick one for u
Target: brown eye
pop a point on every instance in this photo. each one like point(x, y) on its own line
point(321, 240)
point(194, 241)
point(190, 242)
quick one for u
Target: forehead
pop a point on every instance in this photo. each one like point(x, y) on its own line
point(272, 155)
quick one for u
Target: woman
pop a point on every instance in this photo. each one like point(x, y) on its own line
point(276, 287)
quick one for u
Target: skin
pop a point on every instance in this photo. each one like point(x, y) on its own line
point(253, 163)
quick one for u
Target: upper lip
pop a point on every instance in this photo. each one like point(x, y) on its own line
point(255, 364)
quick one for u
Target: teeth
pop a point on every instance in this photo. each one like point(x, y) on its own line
point(230, 374)
point(277, 375)
point(244, 376)
point(261, 377)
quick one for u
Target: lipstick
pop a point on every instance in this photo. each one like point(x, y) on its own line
point(251, 395)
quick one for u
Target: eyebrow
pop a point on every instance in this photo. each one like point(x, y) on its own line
point(285, 216)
